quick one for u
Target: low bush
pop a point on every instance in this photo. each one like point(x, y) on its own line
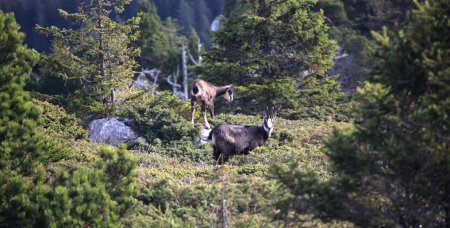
point(163, 120)
point(338, 112)
point(59, 131)
point(159, 116)
point(57, 123)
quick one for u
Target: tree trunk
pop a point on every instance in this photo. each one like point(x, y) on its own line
point(101, 50)
point(184, 69)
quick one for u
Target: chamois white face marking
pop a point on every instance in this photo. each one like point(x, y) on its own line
point(229, 94)
point(268, 125)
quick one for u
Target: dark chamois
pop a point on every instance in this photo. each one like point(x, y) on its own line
point(203, 93)
point(228, 140)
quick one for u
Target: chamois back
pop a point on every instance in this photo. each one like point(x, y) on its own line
point(228, 139)
point(204, 93)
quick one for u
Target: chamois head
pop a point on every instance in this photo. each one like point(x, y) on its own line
point(229, 93)
point(269, 119)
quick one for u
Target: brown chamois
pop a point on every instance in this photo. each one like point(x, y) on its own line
point(203, 93)
point(228, 140)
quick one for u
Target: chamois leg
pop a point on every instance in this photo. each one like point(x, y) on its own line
point(223, 159)
point(192, 111)
point(216, 155)
point(226, 159)
point(211, 110)
point(205, 119)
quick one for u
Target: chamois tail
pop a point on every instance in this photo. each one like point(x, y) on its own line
point(195, 91)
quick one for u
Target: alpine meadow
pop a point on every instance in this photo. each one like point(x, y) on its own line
point(225, 113)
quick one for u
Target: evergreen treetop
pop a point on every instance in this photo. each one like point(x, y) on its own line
point(272, 47)
point(18, 117)
point(97, 58)
point(154, 40)
point(392, 168)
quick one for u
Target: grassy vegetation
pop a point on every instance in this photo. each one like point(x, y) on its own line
point(187, 190)
point(178, 182)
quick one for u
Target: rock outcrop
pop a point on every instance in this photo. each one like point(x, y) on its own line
point(113, 131)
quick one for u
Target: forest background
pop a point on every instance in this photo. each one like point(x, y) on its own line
point(362, 138)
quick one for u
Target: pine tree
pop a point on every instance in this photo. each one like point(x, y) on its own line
point(202, 21)
point(18, 117)
point(196, 49)
point(175, 45)
point(367, 15)
point(154, 40)
point(392, 168)
point(97, 196)
point(97, 58)
point(185, 16)
point(19, 144)
point(270, 45)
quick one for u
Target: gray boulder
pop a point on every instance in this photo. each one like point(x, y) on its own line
point(203, 136)
point(142, 82)
point(113, 131)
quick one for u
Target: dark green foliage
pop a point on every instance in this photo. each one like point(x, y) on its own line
point(28, 13)
point(298, 192)
point(339, 112)
point(97, 196)
point(154, 40)
point(59, 131)
point(79, 197)
point(352, 43)
point(334, 12)
point(191, 15)
point(45, 13)
point(368, 15)
point(269, 45)
point(281, 92)
point(320, 91)
point(19, 145)
point(56, 122)
point(96, 59)
point(160, 117)
point(391, 170)
point(83, 196)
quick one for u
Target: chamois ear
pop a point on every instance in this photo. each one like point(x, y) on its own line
point(230, 93)
point(265, 113)
point(275, 110)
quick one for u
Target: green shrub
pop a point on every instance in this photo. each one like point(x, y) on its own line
point(255, 98)
point(320, 91)
point(339, 112)
point(179, 189)
point(88, 196)
point(162, 119)
point(59, 131)
point(159, 117)
point(57, 123)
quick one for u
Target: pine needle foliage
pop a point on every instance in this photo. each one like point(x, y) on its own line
point(267, 44)
point(392, 169)
point(82, 196)
point(18, 117)
point(96, 58)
